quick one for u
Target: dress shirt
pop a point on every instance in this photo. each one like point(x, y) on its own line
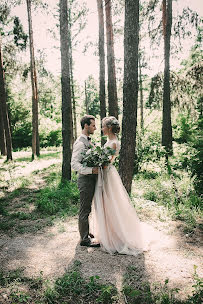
point(76, 165)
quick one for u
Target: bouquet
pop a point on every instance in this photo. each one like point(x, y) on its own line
point(97, 156)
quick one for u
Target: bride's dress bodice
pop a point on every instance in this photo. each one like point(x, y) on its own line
point(111, 143)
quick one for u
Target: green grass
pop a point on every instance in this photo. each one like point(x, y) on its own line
point(138, 291)
point(47, 155)
point(58, 197)
point(72, 288)
point(175, 192)
point(29, 210)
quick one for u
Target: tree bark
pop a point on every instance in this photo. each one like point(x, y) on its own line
point(73, 99)
point(86, 99)
point(130, 93)
point(2, 133)
point(6, 132)
point(72, 79)
point(35, 131)
point(166, 123)
point(102, 97)
point(112, 88)
point(141, 95)
point(67, 124)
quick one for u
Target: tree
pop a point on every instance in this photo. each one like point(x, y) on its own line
point(4, 121)
point(166, 122)
point(130, 92)
point(102, 97)
point(35, 131)
point(72, 79)
point(67, 127)
point(2, 134)
point(112, 89)
point(141, 94)
point(77, 22)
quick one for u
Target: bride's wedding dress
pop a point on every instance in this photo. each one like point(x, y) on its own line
point(115, 222)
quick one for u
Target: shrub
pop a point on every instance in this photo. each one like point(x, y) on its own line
point(191, 136)
point(22, 135)
point(183, 129)
point(148, 149)
point(73, 288)
point(50, 133)
point(59, 198)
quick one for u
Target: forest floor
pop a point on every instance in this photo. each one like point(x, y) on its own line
point(49, 250)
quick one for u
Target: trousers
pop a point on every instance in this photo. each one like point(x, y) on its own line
point(86, 186)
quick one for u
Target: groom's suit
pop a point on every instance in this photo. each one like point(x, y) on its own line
point(86, 184)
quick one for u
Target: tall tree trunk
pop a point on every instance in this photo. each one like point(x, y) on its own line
point(130, 92)
point(73, 98)
point(2, 133)
point(4, 114)
point(112, 89)
point(67, 124)
point(86, 99)
point(35, 131)
point(73, 101)
point(72, 78)
point(141, 95)
point(166, 123)
point(101, 62)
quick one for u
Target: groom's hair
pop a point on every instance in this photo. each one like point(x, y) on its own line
point(86, 120)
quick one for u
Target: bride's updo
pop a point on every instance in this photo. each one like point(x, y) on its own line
point(111, 121)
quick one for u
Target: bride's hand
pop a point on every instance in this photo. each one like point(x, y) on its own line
point(104, 167)
point(95, 170)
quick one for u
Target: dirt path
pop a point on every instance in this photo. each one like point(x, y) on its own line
point(53, 251)
point(56, 248)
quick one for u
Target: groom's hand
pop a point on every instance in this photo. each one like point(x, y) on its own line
point(95, 170)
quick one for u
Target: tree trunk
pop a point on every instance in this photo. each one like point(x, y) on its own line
point(2, 133)
point(86, 99)
point(166, 123)
point(73, 99)
point(112, 89)
point(101, 63)
point(6, 133)
point(141, 95)
point(67, 124)
point(130, 92)
point(35, 131)
point(72, 79)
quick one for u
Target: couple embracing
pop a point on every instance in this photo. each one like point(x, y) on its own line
point(116, 225)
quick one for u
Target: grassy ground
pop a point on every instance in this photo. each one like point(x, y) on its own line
point(32, 198)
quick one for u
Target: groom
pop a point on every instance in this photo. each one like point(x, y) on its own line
point(86, 180)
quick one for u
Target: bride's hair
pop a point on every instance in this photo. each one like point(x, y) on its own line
point(111, 121)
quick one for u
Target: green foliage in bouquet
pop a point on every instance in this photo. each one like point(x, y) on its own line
point(97, 156)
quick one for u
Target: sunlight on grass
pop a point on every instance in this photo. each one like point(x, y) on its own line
point(73, 288)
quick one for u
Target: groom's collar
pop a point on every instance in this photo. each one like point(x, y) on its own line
point(85, 136)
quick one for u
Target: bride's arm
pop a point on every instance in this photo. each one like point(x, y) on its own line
point(113, 156)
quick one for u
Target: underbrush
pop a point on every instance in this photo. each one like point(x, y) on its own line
point(58, 197)
point(137, 291)
point(175, 193)
point(72, 288)
point(26, 209)
point(61, 198)
point(174, 182)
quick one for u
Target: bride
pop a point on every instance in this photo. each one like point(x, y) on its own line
point(115, 222)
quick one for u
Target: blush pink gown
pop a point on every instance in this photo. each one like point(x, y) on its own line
point(115, 222)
